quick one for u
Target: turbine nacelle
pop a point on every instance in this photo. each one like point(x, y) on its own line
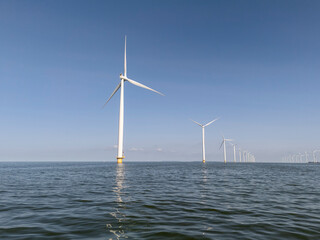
point(123, 77)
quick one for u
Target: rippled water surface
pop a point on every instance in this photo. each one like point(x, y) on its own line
point(159, 201)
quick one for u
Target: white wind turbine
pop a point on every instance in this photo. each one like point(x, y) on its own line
point(123, 79)
point(203, 142)
point(224, 148)
point(234, 152)
point(307, 160)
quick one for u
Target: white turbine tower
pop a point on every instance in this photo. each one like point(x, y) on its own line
point(245, 156)
point(239, 154)
point(307, 160)
point(234, 152)
point(123, 79)
point(224, 148)
point(203, 142)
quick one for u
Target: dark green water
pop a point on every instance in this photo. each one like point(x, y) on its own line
point(159, 201)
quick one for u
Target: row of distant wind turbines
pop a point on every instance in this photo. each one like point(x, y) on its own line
point(302, 158)
point(247, 156)
point(244, 156)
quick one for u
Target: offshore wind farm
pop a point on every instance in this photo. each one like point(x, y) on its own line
point(138, 167)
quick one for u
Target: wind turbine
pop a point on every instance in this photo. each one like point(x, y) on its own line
point(306, 157)
point(315, 159)
point(203, 143)
point(245, 156)
point(234, 152)
point(123, 79)
point(224, 148)
point(240, 154)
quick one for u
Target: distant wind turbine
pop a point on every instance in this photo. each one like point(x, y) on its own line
point(234, 152)
point(307, 160)
point(245, 156)
point(123, 79)
point(224, 147)
point(203, 142)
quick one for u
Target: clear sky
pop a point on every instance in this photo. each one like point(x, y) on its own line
point(255, 64)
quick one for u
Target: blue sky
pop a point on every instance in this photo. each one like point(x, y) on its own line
point(255, 64)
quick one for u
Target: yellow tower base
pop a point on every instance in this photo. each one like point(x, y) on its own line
point(203, 161)
point(119, 159)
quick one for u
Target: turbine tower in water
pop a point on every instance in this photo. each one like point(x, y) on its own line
point(224, 148)
point(123, 79)
point(234, 152)
point(203, 142)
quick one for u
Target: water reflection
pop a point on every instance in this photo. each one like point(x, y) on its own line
point(204, 189)
point(203, 183)
point(119, 183)
point(204, 174)
point(117, 229)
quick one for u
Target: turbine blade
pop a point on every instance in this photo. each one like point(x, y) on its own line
point(117, 88)
point(142, 86)
point(197, 123)
point(211, 122)
point(222, 135)
point(125, 56)
point(221, 144)
point(229, 140)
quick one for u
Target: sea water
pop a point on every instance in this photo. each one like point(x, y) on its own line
point(159, 200)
